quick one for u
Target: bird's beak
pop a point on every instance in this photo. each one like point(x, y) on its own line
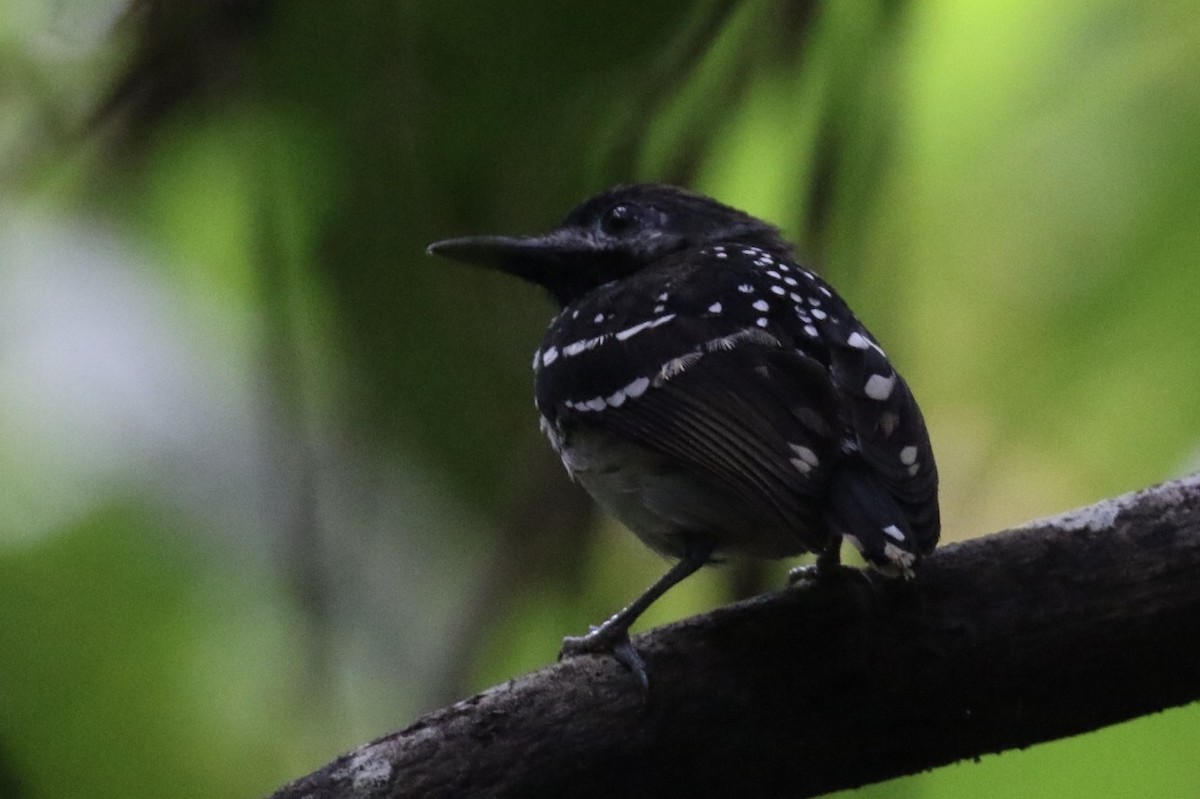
point(531, 258)
point(566, 262)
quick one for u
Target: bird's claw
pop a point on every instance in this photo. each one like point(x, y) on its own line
point(816, 573)
point(608, 641)
point(803, 574)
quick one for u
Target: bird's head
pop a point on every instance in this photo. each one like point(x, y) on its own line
point(611, 236)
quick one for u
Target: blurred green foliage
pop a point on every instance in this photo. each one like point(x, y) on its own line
point(271, 481)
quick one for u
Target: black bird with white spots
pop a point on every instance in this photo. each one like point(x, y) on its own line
point(715, 395)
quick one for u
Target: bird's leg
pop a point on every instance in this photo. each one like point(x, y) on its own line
point(829, 569)
point(830, 559)
point(613, 635)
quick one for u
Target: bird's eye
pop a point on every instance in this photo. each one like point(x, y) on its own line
point(620, 219)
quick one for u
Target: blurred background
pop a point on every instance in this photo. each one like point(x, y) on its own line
point(271, 482)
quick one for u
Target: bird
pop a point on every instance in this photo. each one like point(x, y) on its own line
point(716, 395)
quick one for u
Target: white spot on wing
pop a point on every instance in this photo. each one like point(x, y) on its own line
point(714, 308)
point(637, 388)
point(860, 342)
point(746, 288)
point(780, 290)
point(549, 356)
point(894, 532)
point(908, 455)
point(879, 387)
point(761, 305)
point(805, 454)
point(801, 466)
point(629, 332)
point(761, 321)
point(576, 347)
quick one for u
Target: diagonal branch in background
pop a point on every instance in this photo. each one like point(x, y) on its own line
point(1042, 632)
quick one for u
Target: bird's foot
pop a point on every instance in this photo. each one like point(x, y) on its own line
point(808, 573)
point(606, 640)
point(828, 574)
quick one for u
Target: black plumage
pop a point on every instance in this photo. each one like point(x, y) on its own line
point(714, 394)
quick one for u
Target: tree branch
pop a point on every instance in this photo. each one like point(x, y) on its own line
point(1037, 633)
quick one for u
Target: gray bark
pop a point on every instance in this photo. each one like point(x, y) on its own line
point(1049, 630)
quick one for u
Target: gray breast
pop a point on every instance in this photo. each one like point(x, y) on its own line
point(662, 502)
